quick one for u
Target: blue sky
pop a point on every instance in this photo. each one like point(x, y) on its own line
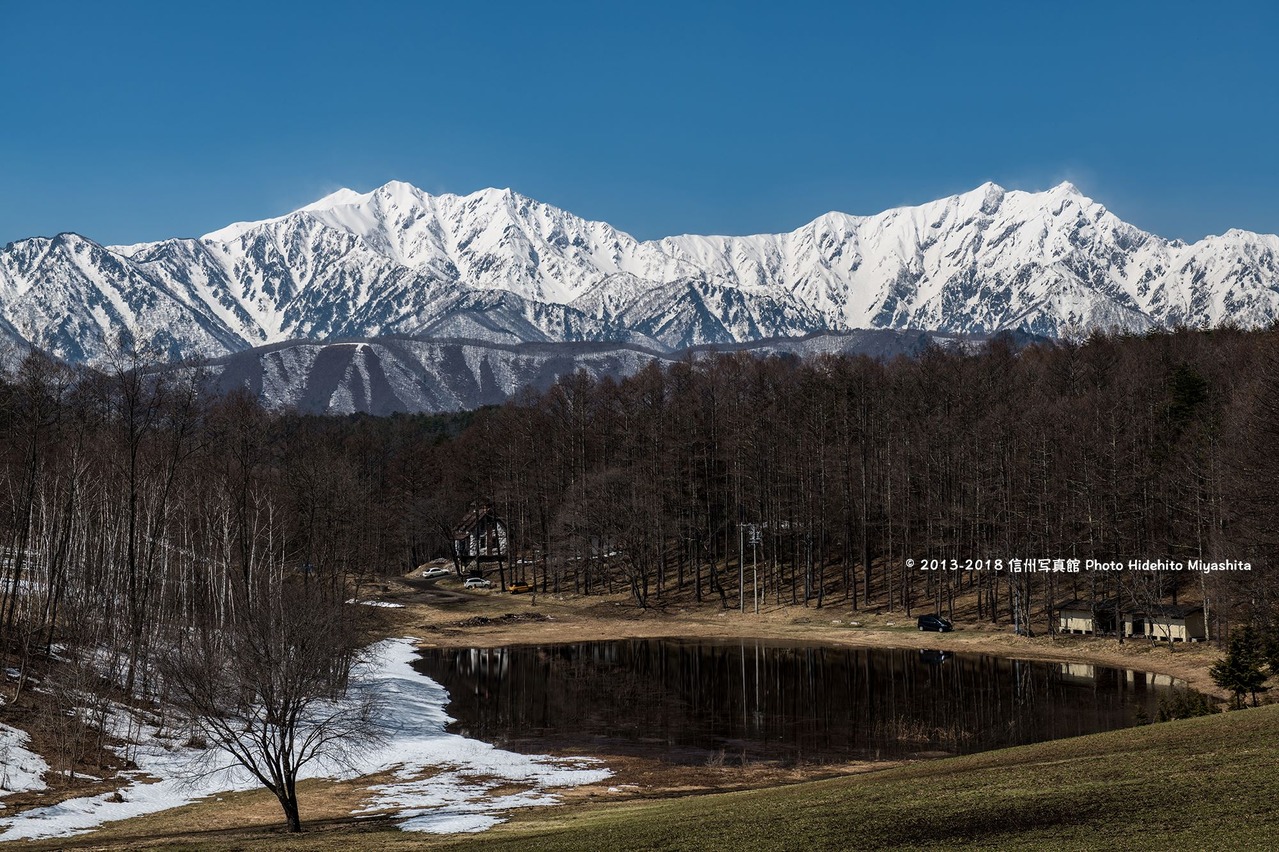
point(138, 121)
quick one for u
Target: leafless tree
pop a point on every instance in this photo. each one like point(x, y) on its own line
point(271, 687)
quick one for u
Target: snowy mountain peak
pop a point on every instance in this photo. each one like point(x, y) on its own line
point(499, 266)
point(340, 197)
point(992, 195)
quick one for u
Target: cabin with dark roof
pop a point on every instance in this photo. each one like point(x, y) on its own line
point(1166, 623)
point(480, 537)
point(1161, 622)
point(1085, 617)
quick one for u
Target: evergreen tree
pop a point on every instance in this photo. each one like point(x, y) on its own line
point(1240, 671)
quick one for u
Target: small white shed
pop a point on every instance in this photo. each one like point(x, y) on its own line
point(1166, 623)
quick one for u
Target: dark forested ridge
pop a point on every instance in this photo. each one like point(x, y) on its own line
point(133, 502)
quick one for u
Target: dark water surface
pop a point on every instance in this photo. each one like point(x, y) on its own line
point(694, 701)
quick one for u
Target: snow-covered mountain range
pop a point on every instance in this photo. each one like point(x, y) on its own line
point(497, 267)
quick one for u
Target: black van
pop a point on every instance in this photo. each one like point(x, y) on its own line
point(935, 623)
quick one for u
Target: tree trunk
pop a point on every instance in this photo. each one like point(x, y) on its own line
point(289, 802)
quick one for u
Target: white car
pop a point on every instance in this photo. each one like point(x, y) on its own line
point(437, 571)
point(477, 583)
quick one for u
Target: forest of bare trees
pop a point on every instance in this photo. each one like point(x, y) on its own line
point(133, 505)
point(844, 470)
point(170, 549)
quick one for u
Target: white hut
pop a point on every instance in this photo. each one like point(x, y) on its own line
point(1166, 623)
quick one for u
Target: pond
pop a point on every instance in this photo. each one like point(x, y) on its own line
point(765, 700)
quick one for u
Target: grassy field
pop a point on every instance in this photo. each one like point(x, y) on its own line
point(1207, 783)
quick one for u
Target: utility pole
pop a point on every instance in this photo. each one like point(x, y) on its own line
point(754, 535)
point(755, 569)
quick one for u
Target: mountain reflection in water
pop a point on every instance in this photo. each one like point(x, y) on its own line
point(689, 701)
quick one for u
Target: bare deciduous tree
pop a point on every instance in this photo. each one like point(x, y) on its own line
point(271, 688)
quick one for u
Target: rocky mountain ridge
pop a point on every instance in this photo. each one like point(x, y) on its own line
point(498, 267)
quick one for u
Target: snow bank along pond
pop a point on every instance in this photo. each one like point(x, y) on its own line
point(705, 701)
point(441, 782)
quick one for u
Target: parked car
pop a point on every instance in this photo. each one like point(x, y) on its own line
point(518, 588)
point(437, 571)
point(477, 583)
point(935, 623)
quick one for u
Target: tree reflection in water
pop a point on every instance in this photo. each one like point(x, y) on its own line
point(698, 701)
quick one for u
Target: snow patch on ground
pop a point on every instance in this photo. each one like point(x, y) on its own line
point(444, 781)
point(21, 770)
point(388, 604)
point(168, 776)
point(457, 799)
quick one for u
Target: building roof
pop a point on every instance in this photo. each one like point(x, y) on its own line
point(1085, 606)
point(1160, 610)
point(1167, 611)
point(479, 512)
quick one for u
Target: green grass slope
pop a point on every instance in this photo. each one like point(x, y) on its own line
point(1206, 783)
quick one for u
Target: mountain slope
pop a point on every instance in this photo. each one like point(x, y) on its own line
point(498, 266)
point(389, 374)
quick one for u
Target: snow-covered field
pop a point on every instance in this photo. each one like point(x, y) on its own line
point(443, 782)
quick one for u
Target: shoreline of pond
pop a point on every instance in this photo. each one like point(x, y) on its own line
point(495, 619)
